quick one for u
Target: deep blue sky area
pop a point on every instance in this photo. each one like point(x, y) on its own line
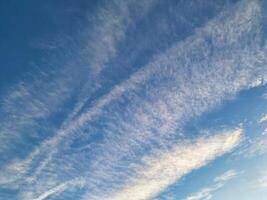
point(133, 100)
point(25, 24)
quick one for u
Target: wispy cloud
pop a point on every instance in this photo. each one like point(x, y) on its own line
point(263, 119)
point(139, 120)
point(262, 181)
point(110, 25)
point(256, 145)
point(164, 169)
point(30, 104)
point(31, 101)
point(207, 192)
point(77, 182)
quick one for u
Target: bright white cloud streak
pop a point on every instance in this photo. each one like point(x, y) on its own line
point(263, 119)
point(164, 169)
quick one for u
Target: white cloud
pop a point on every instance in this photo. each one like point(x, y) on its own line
point(110, 26)
point(55, 189)
point(36, 100)
point(263, 119)
point(166, 168)
point(255, 147)
point(207, 192)
point(77, 182)
point(226, 176)
point(262, 181)
point(258, 82)
point(184, 82)
point(198, 96)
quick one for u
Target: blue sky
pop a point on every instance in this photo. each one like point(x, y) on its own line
point(136, 100)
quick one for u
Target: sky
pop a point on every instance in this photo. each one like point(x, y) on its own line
point(133, 100)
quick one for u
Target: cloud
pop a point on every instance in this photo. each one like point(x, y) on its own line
point(262, 181)
point(164, 169)
point(226, 176)
point(258, 82)
point(31, 103)
point(41, 98)
point(208, 95)
point(110, 25)
point(78, 182)
point(207, 192)
point(142, 116)
point(262, 119)
point(256, 145)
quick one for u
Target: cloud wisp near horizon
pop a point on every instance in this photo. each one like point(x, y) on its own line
point(124, 138)
point(219, 182)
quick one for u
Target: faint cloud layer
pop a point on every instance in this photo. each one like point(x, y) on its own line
point(218, 182)
point(126, 144)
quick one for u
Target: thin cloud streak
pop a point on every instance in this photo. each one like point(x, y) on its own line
point(78, 182)
point(207, 192)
